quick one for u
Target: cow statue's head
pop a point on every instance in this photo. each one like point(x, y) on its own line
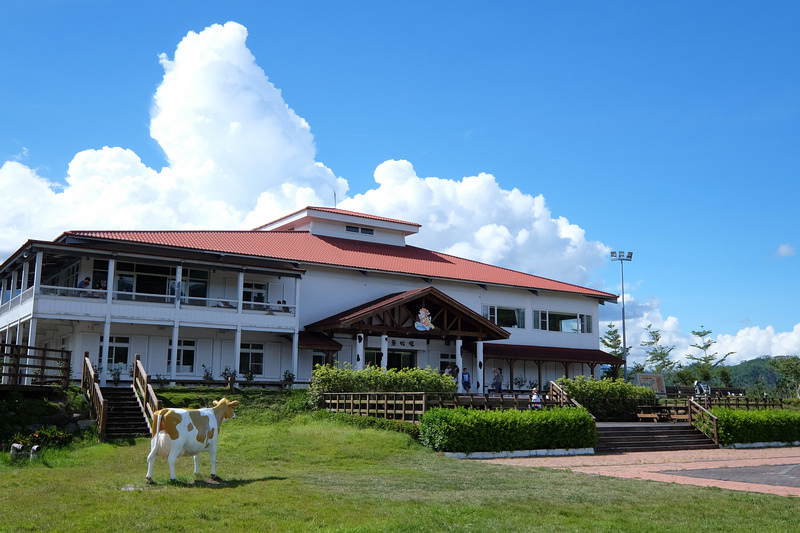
point(225, 408)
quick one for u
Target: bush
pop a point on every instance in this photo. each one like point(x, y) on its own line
point(607, 399)
point(469, 430)
point(767, 425)
point(326, 378)
point(49, 437)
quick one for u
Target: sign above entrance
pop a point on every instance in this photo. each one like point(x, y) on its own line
point(408, 344)
point(424, 320)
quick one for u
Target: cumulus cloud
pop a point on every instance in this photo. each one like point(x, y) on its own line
point(785, 250)
point(476, 218)
point(238, 155)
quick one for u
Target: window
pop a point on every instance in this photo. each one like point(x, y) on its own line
point(251, 358)
point(319, 358)
point(562, 322)
point(356, 229)
point(446, 359)
point(153, 283)
point(398, 359)
point(185, 356)
point(118, 349)
point(254, 295)
point(506, 317)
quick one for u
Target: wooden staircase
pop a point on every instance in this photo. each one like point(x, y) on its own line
point(650, 437)
point(125, 416)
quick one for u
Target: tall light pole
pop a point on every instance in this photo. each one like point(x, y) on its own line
point(621, 257)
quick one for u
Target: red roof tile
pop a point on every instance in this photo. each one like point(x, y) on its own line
point(303, 247)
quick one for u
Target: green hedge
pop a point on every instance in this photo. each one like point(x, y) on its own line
point(472, 430)
point(326, 378)
point(767, 425)
point(607, 399)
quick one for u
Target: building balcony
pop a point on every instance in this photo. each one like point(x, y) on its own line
point(68, 303)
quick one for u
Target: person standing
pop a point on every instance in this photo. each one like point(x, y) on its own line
point(465, 383)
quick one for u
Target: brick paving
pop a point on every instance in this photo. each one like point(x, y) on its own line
point(767, 470)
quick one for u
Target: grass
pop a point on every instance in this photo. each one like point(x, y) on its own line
point(309, 473)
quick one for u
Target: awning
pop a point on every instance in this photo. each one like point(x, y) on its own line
point(313, 340)
point(520, 352)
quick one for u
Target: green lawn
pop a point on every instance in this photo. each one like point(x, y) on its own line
point(311, 474)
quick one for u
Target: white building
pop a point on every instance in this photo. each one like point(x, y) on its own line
point(318, 285)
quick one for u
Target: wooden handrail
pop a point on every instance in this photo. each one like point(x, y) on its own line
point(90, 382)
point(706, 422)
point(146, 396)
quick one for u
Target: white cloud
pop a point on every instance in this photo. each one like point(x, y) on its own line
point(785, 250)
point(238, 156)
point(476, 218)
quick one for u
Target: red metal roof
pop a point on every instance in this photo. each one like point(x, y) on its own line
point(520, 352)
point(303, 247)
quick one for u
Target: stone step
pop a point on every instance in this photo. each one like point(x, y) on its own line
point(638, 437)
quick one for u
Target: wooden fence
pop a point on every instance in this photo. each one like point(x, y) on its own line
point(30, 366)
point(410, 406)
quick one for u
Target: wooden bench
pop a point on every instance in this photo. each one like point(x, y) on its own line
point(679, 417)
point(647, 416)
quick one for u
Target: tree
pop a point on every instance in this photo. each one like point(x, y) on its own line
point(657, 355)
point(708, 362)
point(789, 366)
point(613, 342)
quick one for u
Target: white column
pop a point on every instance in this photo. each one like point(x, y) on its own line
point(26, 268)
point(237, 347)
point(14, 278)
point(31, 342)
point(37, 272)
point(103, 357)
point(173, 364)
point(112, 266)
point(384, 351)
point(459, 363)
point(178, 291)
point(360, 341)
point(480, 371)
point(295, 353)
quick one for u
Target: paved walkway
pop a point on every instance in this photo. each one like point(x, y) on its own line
point(767, 470)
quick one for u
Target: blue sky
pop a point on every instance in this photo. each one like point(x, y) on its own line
point(670, 129)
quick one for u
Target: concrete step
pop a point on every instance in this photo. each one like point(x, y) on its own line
point(639, 437)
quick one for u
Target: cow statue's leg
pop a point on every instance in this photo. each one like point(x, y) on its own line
point(153, 455)
point(174, 452)
point(212, 453)
point(197, 463)
point(151, 458)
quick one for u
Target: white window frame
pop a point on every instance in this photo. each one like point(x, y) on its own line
point(493, 313)
point(185, 346)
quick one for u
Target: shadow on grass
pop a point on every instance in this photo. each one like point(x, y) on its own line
point(215, 483)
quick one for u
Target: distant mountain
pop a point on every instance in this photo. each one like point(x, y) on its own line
point(754, 372)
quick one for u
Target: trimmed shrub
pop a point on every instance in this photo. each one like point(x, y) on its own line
point(766, 425)
point(607, 399)
point(471, 430)
point(326, 378)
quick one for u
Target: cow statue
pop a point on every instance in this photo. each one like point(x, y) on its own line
point(178, 432)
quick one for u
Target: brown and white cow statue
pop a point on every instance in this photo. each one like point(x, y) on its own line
point(178, 432)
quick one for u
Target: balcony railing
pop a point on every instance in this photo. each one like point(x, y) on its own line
point(100, 295)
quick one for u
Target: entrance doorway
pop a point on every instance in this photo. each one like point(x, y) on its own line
point(398, 359)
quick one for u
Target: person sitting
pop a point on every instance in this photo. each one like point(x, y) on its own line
point(85, 283)
point(536, 400)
